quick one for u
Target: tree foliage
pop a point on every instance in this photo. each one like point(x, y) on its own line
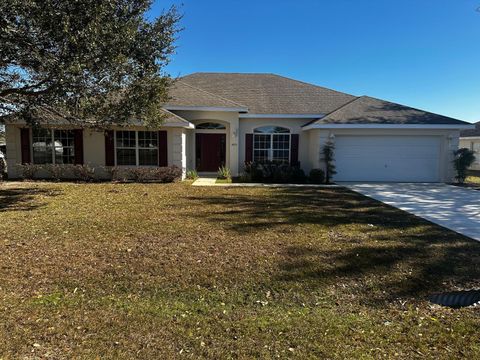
point(328, 152)
point(99, 61)
point(464, 158)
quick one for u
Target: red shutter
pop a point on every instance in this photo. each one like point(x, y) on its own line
point(109, 148)
point(248, 148)
point(78, 146)
point(162, 149)
point(294, 150)
point(25, 145)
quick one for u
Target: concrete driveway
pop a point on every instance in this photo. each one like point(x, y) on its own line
point(453, 207)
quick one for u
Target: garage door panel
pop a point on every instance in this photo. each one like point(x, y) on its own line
point(398, 151)
point(387, 158)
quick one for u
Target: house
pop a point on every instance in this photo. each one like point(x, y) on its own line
point(470, 139)
point(216, 119)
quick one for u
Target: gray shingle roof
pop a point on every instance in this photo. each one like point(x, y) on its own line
point(368, 110)
point(473, 132)
point(170, 120)
point(269, 93)
point(274, 94)
point(184, 94)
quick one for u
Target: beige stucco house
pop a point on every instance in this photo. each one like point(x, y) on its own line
point(228, 119)
point(470, 139)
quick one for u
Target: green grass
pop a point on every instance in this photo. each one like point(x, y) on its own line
point(175, 271)
point(223, 181)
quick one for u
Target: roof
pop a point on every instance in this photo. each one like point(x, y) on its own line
point(174, 120)
point(473, 132)
point(184, 94)
point(275, 94)
point(368, 110)
point(45, 116)
point(263, 93)
point(170, 120)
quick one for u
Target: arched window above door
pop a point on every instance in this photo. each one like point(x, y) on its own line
point(271, 130)
point(210, 126)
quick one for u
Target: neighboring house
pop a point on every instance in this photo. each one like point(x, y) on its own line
point(470, 139)
point(228, 119)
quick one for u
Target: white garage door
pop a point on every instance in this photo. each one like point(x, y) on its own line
point(387, 158)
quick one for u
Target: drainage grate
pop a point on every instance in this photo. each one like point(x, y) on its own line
point(457, 299)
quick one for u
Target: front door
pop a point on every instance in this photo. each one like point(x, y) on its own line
point(210, 151)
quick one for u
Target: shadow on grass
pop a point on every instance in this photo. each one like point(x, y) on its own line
point(386, 272)
point(290, 206)
point(412, 259)
point(23, 198)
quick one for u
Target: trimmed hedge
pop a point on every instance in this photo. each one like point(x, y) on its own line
point(87, 173)
point(271, 172)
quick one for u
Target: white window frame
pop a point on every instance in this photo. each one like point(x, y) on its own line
point(53, 146)
point(270, 150)
point(137, 148)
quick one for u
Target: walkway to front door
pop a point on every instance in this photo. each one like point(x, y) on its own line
point(210, 151)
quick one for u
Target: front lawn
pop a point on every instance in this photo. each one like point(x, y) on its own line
point(173, 271)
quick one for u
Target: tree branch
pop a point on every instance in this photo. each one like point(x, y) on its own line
point(26, 90)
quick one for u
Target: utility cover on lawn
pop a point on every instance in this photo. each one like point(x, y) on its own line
point(457, 299)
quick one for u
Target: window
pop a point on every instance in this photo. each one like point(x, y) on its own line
point(210, 126)
point(271, 143)
point(148, 148)
point(126, 148)
point(53, 146)
point(137, 148)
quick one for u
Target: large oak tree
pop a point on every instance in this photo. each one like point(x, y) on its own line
point(95, 61)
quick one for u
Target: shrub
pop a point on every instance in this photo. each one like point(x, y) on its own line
point(268, 172)
point(84, 172)
point(140, 174)
point(56, 171)
point(168, 174)
point(192, 174)
point(272, 172)
point(87, 173)
point(27, 171)
point(252, 172)
point(328, 151)
point(298, 176)
point(464, 158)
point(115, 173)
point(165, 174)
point(280, 173)
point(246, 174)
point(317, 176)
point(224, 173)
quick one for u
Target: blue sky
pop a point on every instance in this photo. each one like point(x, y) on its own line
point(423, 53)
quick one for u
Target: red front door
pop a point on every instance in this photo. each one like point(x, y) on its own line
point(210, 151)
